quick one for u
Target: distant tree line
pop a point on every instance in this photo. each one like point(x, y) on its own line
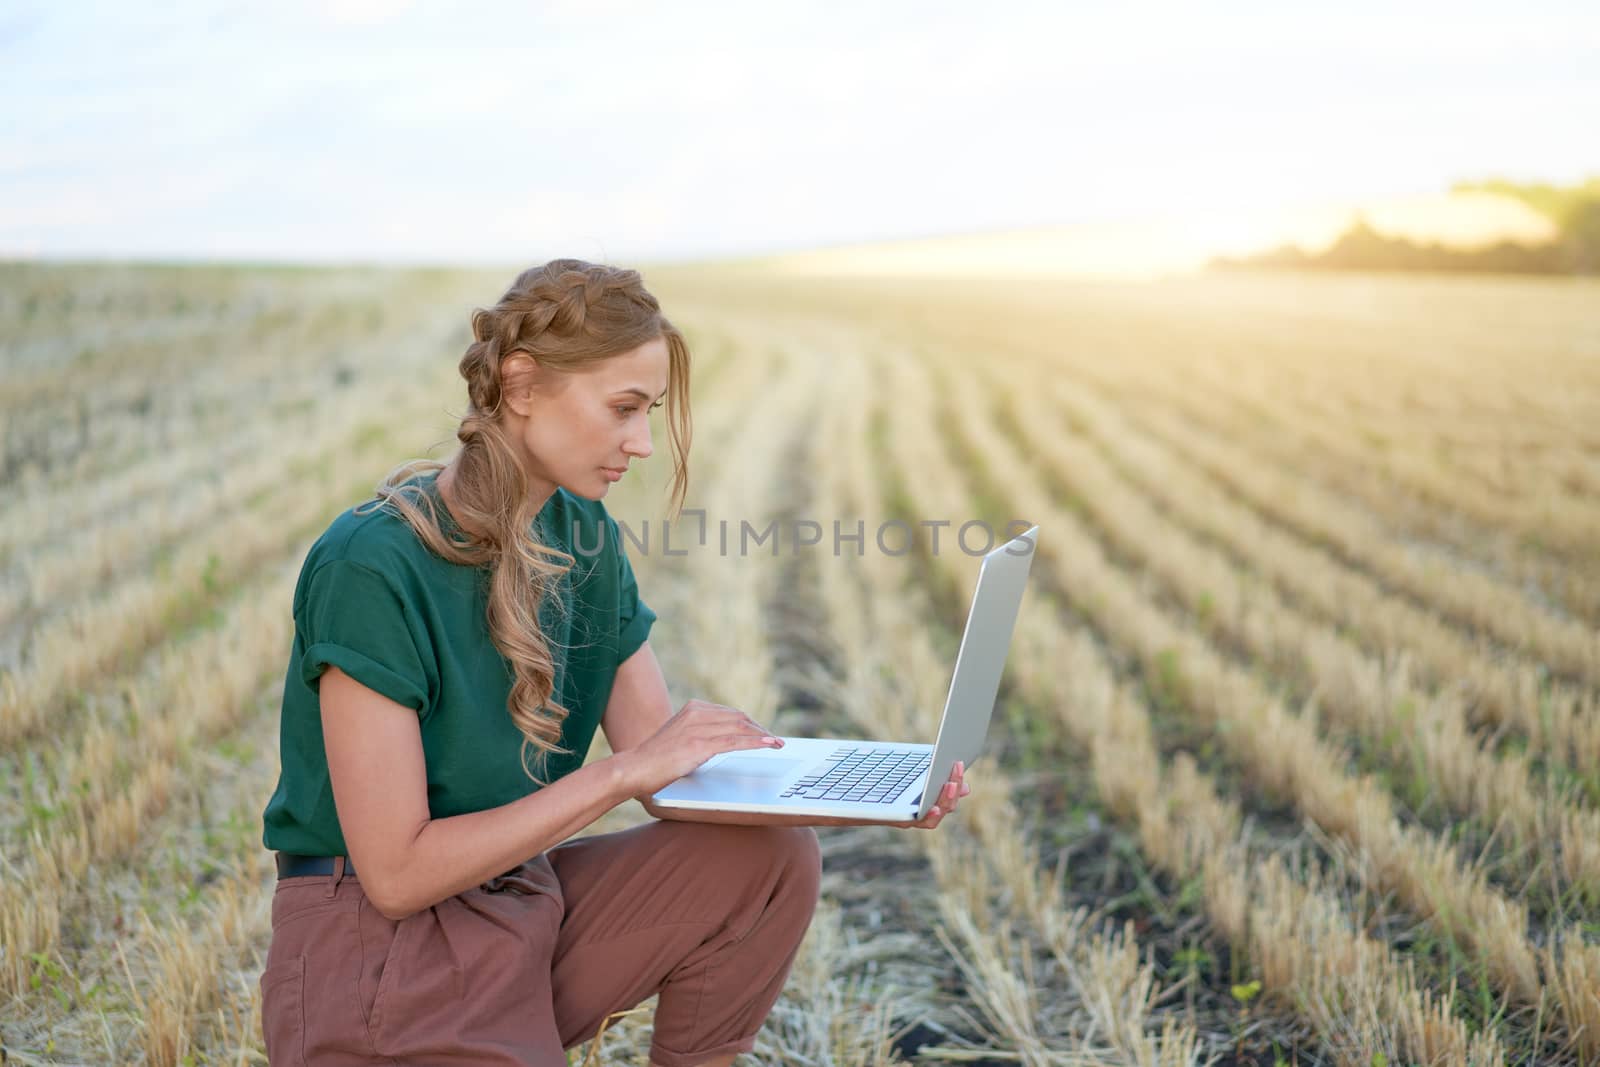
point(1575, 211)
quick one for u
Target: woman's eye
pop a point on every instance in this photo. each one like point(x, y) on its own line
point(625, 412)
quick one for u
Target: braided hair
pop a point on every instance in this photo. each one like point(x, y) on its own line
point(566, 315)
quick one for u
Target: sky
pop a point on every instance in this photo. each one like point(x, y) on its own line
point(360, 131)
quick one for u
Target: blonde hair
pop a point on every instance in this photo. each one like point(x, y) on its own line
point(566, 314)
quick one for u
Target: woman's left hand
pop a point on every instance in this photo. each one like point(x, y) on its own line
point(949, 797)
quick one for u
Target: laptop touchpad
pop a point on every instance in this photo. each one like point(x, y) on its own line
point(753, 767)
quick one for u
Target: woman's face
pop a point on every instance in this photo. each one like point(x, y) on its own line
point(577, 426)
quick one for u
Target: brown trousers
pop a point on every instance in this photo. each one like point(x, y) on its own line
point(528, 964)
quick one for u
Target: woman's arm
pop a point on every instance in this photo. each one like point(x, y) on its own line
point(640, 705)
point(407, 861)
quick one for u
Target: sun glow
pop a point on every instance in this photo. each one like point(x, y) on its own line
point(1151, 247)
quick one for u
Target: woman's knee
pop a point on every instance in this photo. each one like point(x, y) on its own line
point(789, 858)
point(784, 865)
point(800, 853)
point(808, 853)
point(793, 851)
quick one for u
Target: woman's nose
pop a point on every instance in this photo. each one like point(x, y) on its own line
point(639, 445)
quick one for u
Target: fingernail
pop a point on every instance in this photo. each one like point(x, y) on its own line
point(776, 742)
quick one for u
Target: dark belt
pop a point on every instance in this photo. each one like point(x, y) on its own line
point(292, 866)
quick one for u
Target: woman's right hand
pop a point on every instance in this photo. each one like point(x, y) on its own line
point(698, 731)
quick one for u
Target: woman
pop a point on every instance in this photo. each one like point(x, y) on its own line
point(476, 612)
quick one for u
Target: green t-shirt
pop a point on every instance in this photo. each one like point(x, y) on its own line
point(373, 601)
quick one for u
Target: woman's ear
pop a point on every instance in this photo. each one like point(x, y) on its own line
point(518, 373)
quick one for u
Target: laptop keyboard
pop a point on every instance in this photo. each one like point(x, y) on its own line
point(871, 775)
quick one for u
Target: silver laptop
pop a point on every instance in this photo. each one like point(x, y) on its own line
point(879, 779)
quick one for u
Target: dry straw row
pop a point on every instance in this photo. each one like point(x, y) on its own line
point(94, 637)
point(1186, 830)
point(981, 854)
point(1478, 601)
point(107, 530)
point(1515, 543)
point(1287, 757)
point(1424, 737)
point(205, 381)
point(1505, 689)
point(1204, 366)
point(1551, 516)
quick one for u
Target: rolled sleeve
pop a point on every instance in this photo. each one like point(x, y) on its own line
point(353, 619)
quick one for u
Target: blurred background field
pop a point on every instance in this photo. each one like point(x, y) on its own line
point(1283, 326)
point(1297, 755)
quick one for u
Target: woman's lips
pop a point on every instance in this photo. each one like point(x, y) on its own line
point(614, 473)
